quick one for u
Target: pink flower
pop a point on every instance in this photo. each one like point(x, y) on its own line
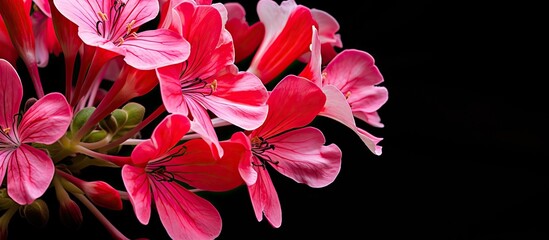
point(112, 24)
point(288, 29)
point(349, 82)
point(209, 80)
point(329, 38)
point(160, 166)
point(284, 143)
point(29, 170)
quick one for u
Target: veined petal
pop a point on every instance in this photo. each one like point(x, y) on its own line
point(185, 215)
point(202, 124)
point(265, 199)
point(293, 103)
point(30, 172)
point(83, 13)
point(301, 155)
point(198, 167)
point(170, 89)
point(164, 137)
point(10, 96)
point(351, 70)
point(46, 120)
point(137, 184)
point(8, 50)
point(338, 109)
point(246, 37)
point(239, 99)
point(155, 48)
point(245, 167)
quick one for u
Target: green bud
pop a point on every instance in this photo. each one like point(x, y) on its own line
point(135, 112)
point(80, 118)
point(37, 213)
point(109, 124)
point(5, 201)
point(95, 135)
point(120, 116)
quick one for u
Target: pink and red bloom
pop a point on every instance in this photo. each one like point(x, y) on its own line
point(160, 168)
point(113, 24)
point(208, 81)
point(286, 144)
point(29, 169)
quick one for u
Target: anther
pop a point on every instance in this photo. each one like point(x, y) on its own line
point(102, 16)
point(347, 94)
point(6, 130)
point(129, 27)
point(213, 85)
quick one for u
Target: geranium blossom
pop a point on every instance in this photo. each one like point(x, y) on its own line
point(112, 24)
point(209, 80)
point(349, 82)
point(159, 166)
point(29, 170)
point(284, 143)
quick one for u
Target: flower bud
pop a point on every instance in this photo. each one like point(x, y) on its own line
point(95, 136)
point(135, 112)
point(80, 118)
point(120, 116)
point(102, 194)
point(109, 124)
point(5, 201)
point(70, 214)
point(37, 213)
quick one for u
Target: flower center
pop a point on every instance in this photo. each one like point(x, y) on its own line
point(199, 86)
point(157, 169)
point(259, 146)
point(108, 27)
point(8, 137)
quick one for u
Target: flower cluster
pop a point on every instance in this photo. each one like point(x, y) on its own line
point(193, 53)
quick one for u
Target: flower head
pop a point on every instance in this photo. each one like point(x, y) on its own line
point(29, 170)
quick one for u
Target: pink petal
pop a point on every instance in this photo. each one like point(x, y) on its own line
point(247, 172)
point(164, 137)
point(10, 96)
point(294, 102)
point(184, 214)
point(137, 184)
point(351, 70)
point(294, 38)
point(265, 199)
point(198, 167)
point(170, 88)
point(155, 48)
point(202, 124)
point(313, 69)
point(30, 172)
point(365, 107)
point(246, 38)
point(239, 99)
point(44, 6)
point(301, 155)
point(82, 13)
point(371, 118)
point(338, 109)
point(46, 120)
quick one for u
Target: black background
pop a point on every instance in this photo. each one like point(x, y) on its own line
point(464, 137)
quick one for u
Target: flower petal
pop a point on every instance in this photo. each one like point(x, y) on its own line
point(338, 109)
point(351, 70)
point(294, 102)
point(155, 48)
point(137, 184)
point(301, 155)
point(239, 99)
point(10, 96)
point(185, 215)
point(202, 124)
point(198, 167)
point(265, 199)
point(247, 172)
point(170, 88)
point(30, 172)
point(46, 120)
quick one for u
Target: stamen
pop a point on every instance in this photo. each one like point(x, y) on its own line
point(119, 41)
point(213, 85)
point(103, 16)
point(347, 94)
point(97, 27)
point(6, 130)
point(129, 27)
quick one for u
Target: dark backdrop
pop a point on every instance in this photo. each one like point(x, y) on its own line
point(464, 138)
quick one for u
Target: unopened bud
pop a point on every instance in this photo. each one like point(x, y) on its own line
point(95, 136)
point(103, 194)
point(109, 124)
point(5, 201)
point(80, 118)
point(70, 214)
point(135, 112)
point(37, 213)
